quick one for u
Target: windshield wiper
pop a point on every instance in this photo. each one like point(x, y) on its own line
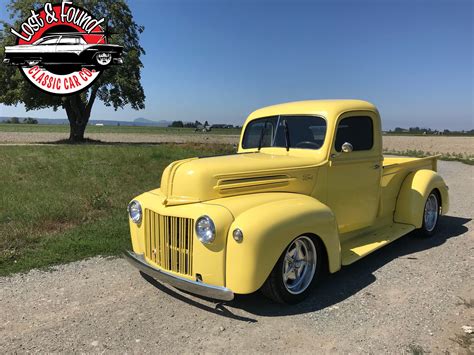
point(261, 135)
point(287, 135)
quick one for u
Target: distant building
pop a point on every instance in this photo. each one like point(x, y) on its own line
point(220, 125)
point(99, 124)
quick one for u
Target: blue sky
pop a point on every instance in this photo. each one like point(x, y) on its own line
point(220, 60)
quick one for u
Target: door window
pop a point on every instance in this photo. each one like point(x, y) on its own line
point(356, 130)
point(47, 41)
point(69, 40)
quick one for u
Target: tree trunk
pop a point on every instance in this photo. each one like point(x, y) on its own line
point(78, 111)
point(77, 129)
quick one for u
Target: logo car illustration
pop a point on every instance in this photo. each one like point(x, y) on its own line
point(68, 48)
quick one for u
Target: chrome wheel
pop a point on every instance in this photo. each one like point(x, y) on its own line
point(299, 265)
point(430, 216)
point(103, 58)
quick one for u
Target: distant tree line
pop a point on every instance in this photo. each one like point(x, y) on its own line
point(429, 132)
point(16, 120)
point(198, 125)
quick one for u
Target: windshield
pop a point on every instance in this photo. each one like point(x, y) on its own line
point(305, 132)
point(47, 40)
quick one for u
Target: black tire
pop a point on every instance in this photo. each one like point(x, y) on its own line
point(33, 62)
point(103, 63)
point(427, 228)
point(274, 287)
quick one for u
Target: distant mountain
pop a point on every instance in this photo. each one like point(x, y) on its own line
point(140, 121)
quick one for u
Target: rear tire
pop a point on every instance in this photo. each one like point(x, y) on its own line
point(430, 215)
point(103, 59)
point(297, 271)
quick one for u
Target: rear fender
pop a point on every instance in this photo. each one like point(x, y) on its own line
point(413, 194)
point(268, 229)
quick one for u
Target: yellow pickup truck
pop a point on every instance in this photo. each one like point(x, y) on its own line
point(307, 192)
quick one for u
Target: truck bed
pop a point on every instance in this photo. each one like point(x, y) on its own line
point(395, 170)
point(391, 163)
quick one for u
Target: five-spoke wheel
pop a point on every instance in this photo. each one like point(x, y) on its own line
point(297, 271)
point(299, 265)
point(430, 214)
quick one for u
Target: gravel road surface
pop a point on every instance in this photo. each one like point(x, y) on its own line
point(406, 297)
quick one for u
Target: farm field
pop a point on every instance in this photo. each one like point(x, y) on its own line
point(451, 148)
point(430, 144)
point(109, 129)
point(22, 133)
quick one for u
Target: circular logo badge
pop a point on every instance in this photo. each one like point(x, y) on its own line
point(62, 49)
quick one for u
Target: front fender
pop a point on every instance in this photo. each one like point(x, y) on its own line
point(413, 194)
point(268, 229)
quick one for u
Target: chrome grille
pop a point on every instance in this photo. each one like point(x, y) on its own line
point(169, 242)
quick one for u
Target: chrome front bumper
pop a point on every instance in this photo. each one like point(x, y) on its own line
point(196, 287)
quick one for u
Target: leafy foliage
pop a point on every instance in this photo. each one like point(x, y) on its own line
point(117, 86)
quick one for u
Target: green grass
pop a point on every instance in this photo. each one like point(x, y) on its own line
point(463, 158)
point(111, 129)
point(65, 203)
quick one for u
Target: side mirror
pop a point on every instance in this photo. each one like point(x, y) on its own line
point(347, 147)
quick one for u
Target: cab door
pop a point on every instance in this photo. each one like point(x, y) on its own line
point(68, 49)
point(354, 172)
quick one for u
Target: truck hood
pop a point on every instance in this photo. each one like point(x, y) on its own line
point(202, 179)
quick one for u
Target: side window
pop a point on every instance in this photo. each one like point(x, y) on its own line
point(68, 40)
point(356, 130)
point(50, 41)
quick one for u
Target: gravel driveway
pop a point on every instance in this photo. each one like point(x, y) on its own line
point(405, 297)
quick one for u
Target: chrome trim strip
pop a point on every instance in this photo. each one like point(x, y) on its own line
point(198, 288)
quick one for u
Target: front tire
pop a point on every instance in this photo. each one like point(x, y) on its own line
point(430, 214)
point(32, 62)
point(297, 271)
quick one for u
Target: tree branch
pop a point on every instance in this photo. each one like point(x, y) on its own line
point(92, 97)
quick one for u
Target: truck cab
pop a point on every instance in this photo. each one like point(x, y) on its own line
point(307, 192)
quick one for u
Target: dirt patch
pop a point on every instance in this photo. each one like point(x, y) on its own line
point(404, 297)
point(443, 145)
point(456, 145)
point(48, 137)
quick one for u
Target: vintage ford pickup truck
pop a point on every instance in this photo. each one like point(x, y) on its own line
point(307, 192)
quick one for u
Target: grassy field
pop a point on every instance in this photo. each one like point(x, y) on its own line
point(109, 129)
point(65, 203)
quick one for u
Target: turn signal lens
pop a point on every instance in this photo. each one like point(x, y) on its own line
point(238, 235)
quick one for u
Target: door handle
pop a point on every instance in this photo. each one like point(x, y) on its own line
point(376, 166)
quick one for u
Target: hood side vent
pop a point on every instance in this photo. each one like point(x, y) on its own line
point(256, 182)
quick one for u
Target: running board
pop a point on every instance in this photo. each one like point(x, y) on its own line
point(359, 246)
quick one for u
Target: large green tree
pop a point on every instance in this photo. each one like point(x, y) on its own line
point(117, 86)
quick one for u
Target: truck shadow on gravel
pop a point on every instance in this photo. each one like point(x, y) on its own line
point(336, 287)
point(354, 278)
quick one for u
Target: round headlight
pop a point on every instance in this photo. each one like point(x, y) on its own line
point(135, 211)
point(205, 229)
